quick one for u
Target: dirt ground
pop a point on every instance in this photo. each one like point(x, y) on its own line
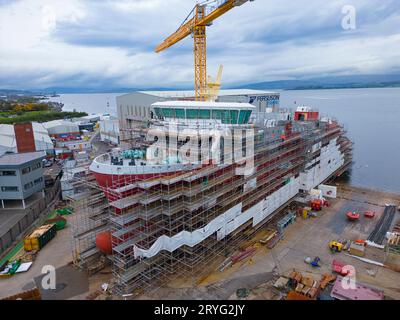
point(306, 238)
point(58, 253)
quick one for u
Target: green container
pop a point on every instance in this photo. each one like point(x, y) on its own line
point(46, 237)
point(59, 222)
point(64, 211)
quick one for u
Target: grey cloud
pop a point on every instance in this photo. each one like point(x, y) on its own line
point(256, 42)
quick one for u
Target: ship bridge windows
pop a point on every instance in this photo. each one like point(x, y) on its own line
point(180, 113)
point(244, 116)
point(226, 116)
point(203, 114)
point(192, 113)
point(170, 113)
point(158, 112)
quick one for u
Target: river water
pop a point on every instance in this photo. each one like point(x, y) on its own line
point(371, 117)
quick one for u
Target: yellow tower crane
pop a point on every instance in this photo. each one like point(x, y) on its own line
point(202, 15)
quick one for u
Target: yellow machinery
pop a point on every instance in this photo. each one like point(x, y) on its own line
point(40, 237)
point(213, 87)
point(335, 246)
point(202, 15)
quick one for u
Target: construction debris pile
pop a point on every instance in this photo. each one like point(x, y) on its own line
point(298, 286)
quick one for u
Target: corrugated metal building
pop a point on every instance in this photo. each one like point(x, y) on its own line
point(8, 141)
point(109, 130)
point(57, 127)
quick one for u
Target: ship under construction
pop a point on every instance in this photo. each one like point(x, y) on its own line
point(199, 177)
point(185, 195)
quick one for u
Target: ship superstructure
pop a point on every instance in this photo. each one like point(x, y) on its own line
point(203, 177)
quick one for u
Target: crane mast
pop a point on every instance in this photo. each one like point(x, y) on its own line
point(200, 55)
point(196, 26)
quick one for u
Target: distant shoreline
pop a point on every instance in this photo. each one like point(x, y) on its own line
point(252, 87)
point(344, 87)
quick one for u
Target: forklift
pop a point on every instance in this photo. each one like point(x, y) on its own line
point(335, 246)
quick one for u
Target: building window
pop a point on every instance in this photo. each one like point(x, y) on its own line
point(39, 180)
point(28, 185)
point(8, 173)
point(244, 116)
point(26, 170)
point(36, 166)
point(9, 189)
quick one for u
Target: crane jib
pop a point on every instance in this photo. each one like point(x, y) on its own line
point(196, 26)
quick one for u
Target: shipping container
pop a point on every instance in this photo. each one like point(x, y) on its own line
point(40, 237)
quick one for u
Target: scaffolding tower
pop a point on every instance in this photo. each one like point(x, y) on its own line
point(91, 217)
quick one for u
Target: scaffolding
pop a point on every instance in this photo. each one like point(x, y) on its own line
point(91, 217)
point(139, 209)
point(143, 209)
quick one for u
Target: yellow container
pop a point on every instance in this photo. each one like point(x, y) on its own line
point(31, 244)
point(40, 237)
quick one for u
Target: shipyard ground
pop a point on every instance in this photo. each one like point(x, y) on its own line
point(304, 238)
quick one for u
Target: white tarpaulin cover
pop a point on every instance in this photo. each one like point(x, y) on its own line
point(24, 267)
point(328, 191)
point(190, 238)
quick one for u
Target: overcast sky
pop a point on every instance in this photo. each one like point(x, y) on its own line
point(84, 43)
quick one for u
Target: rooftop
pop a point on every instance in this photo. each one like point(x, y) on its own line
point(190, 93)
point(91, 117)
point(59, 122)
point(16, 159)
point(8, 141)
point(204, 104)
